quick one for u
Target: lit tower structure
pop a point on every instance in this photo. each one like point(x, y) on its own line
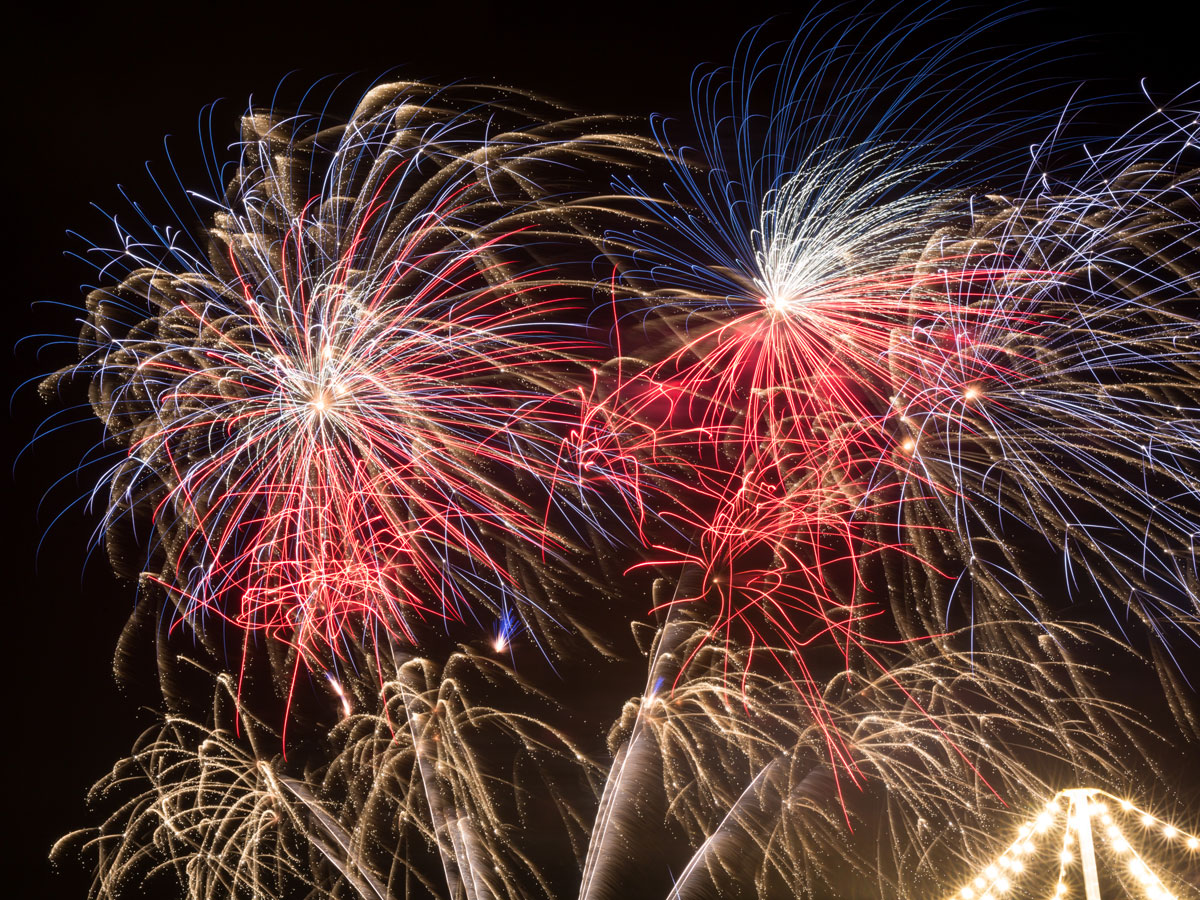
point(1084, 824)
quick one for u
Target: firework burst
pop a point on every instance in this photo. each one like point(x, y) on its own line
point(1083, 436)
point(344, 413)
point(786, 268)
point(840, 323)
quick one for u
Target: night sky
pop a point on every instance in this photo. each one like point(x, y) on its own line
point(90, 97)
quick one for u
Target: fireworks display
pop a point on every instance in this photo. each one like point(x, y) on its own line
point(780, 503)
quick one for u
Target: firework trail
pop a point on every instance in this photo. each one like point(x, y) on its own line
point(194, 800)
point(421, 789)
point(742, 773)
point(415, 795)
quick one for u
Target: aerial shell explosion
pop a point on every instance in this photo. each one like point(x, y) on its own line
point(344, 410)
point(866, 466)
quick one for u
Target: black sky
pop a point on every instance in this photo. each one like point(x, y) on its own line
point(90, 96)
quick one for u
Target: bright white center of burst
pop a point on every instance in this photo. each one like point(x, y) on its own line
point(321, 402)
point(499, 644)
point(971, 393)
point(778, 303)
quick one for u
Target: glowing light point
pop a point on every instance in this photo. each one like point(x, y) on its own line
point(778, 305)
point(320, 403)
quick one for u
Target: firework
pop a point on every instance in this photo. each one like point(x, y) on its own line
point(1083, 437)
point(411, 794)
point(195, 800)
point(1077, 822)
point(786, 265)
point(343, 411)
point(855, 356)
point(425, 785)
